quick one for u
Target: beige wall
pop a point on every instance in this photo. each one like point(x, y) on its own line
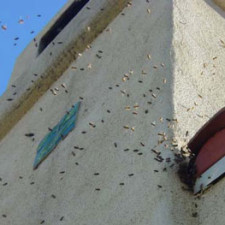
point(187, 61)
point(54, 60)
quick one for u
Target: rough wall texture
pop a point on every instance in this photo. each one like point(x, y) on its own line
point(155, 73)
point(42, 71)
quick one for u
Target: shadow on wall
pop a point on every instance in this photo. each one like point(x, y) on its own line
point(215, 4)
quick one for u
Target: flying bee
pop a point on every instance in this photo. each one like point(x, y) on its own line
point(109, 29)
point(4, 27)
point(53, 92)
point(124, 79)
point(63, 85)
point(123, 91)
point(156, 151)
point(21, 21)
point(92, 124)
point(131, 72)
point(132, 128)
point(129, 4)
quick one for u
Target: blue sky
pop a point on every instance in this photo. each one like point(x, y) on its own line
point(33, 16)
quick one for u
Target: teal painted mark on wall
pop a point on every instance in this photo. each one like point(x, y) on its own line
point(58, 133)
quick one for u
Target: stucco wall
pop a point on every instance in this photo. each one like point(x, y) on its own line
point(173, 62)
point(40, 72)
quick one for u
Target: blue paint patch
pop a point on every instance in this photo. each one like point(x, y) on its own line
point(58, 133)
